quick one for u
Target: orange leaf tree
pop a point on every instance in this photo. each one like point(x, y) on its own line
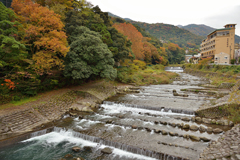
point(134, 36)
point(44, 36)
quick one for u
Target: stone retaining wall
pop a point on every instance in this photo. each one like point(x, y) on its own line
point(35, 116)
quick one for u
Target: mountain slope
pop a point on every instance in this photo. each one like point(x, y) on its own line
point(203, 30)
point(115, 16)
point(171, 33)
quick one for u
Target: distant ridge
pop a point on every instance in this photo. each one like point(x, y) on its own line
point(203, 30)
point(113, 15)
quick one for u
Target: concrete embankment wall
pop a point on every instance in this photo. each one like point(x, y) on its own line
point(220, 109)
point(35, 116)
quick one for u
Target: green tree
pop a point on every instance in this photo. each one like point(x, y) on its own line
point(88, 56)
point(11, 49)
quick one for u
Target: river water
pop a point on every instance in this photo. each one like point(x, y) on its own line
point(132, 125)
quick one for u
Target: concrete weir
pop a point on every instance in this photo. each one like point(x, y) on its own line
point(151, 123)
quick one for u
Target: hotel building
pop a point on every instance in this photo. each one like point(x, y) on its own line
point(219, 45)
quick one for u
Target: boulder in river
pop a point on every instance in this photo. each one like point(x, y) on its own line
point(134, 127)
point(186, 126)
point(194, 127)
point(186, 119)
point(171, 134)
point(193, 119)
point(217, 130)
point(202, 129)
point(87, 109)
point(87, 148)
point(164, 132)
point(195, 138)
point(157, 130)
point(68, 156)
point(207, 121)
point(204, 139)
point(106, 150)
point(76, 149)
point(198, 119)
point(209, 129)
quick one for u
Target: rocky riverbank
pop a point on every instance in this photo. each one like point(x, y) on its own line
point(227, 147)
point(52, 106)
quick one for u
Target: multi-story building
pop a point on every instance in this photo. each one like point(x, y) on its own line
point(218, 43)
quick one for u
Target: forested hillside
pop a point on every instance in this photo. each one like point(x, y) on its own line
point(147, 47)
point(171, 33)
point(52, 44)
point(203, 30)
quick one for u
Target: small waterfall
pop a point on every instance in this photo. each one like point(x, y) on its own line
point(41, 132)
point(124, 147)
point(161, 109)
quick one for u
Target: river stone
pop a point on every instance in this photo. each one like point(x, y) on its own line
point(231, 124)
point(225, 122)
point(204, 139)
point(219, 122)
point(193, 119)
point(205, 120)
point(171, 134)
point(68, 156)
point(156, 122)
point(106, 150)
point(213, 121)
point(164, 123)
point(87, 148)
point(186, 119)
point(121, 116)
point(217, 130)
point(172, 124)
point(140, 128)
point(186, 126)
point(194, 137)
point(209, 129)
point(134, 127)
point(186, 136)
point(202, 129)
point(194, 127)
point(76, 149)
point(164, 132)
point(157, 130)
point(109, 121)
point(87, 109)
point(80, 117)
point(198, 119)
point(78, 158)
point(72, 114)
point(148, 129)
point(185, 95)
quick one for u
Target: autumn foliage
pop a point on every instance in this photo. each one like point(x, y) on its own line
point(9, 84)
point(44, 35)
point(134, 36)
point(142, 49)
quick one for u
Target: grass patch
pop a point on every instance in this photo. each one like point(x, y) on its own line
point(21, 102)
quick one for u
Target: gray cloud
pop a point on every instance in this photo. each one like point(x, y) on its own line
point(228, 16)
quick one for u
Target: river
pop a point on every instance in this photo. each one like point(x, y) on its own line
point(137, 126)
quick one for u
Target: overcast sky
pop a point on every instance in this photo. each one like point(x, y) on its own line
point(213, 13)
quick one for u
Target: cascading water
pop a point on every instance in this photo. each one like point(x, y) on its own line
point(145, 125)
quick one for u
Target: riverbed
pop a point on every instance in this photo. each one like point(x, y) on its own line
point(144, 125)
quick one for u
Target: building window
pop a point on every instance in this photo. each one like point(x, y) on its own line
point(225, 57)
point(216, 58)
point(225, 62)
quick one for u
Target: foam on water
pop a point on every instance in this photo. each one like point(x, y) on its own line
point(55, 138)
point(121, 108)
